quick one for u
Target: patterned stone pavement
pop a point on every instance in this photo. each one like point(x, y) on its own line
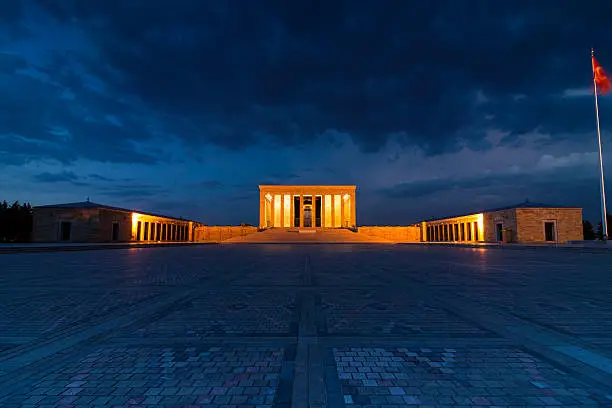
point(306, 325)
point(461, 377)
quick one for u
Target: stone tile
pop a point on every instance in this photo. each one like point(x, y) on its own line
point(390, 313)
point(169, 378)
point(226, 314)
point(520, 378)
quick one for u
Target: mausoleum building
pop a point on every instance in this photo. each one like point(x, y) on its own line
point(307, 206)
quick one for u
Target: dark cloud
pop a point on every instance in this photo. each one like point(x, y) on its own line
point(62, 117)
point(65, 176)
point(210, 184)
point(243, 197)
point(285, 176)
point(490, 184)
point(238, 72)
point(133, 191)
point(9, 63)
point(98, 177)
point(561, 186)
point(12, 28)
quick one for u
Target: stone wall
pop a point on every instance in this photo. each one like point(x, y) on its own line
point(507, 218)
point(220, 233)
point(531, 224)
point(108, 218)
point(396, 234)
point(85, 224)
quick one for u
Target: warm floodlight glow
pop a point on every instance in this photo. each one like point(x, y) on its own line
point(135, 219)
point(346, 197)
point(286, 211)
point(328, 211)
point(480, 222)
point(268, 197)
point(277, 210)
point(337, 211)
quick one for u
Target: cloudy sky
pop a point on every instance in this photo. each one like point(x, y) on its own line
point(185, 106)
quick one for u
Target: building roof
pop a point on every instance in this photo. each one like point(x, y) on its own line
point(89, 204)
point(525, 204)
point(307, 186)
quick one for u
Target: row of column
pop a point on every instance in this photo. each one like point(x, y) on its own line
point(160, 231)
point(453, 232)
point(341, 206)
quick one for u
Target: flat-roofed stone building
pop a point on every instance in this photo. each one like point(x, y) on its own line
point(89, 222)
point(307, 206)
point(523, 223)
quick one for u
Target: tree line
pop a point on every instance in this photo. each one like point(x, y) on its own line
point(591, 233)
point(15, 222)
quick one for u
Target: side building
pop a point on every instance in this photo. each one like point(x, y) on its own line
point(89, 222)
point(523, 223)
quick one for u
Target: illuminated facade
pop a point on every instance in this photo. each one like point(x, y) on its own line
point(307, 206)
point(466, 228)
point(91, 222)
point(523, 223)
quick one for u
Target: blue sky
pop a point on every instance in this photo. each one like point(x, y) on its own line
point(184, 107)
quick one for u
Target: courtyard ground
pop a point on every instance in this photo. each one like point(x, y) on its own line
point(306, 325)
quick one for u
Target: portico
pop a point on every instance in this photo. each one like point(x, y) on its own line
point(307, 206)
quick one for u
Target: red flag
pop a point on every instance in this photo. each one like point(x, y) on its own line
point(601, 79)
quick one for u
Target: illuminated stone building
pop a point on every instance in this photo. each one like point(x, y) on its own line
point(91, 222)
point(523, 223)
point(310, 209)
point(307, 206)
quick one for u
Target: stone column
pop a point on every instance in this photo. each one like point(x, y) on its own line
point(301, 210)
point(334, 204)
point(262, 209)
point(322, 216)
point(272, 210)
point(323, 210)
point(291, 210)
point(353, 210)
point(282, 210)
point(342, 222)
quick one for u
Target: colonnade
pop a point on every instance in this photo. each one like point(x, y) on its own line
point(453, 231)
point(148, 228)
point(307, 206)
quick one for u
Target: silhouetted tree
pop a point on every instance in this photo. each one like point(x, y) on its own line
point(15, 222)
point(588, 231)
point(599, 229)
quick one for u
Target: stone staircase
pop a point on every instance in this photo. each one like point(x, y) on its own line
point(306, 235)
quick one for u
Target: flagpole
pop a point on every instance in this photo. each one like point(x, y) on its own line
point(604, 221)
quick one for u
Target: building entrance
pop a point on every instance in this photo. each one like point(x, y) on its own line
point(308, 216)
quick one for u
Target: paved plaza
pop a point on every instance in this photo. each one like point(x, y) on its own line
point(315, 325)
